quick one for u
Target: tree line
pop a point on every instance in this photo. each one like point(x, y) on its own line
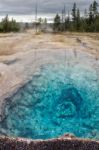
point(9, 26)
point(88, 22)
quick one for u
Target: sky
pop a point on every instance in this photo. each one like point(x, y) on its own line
point(47, 8)
point(44, 6)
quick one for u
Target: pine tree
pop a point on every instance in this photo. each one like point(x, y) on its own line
point(5, 23)
point(67, 22)
point(74, 10)
point(87, 23)
point(78, 20)
point(95, 14)
point(57, 23)
point(62, 27)
point(95, 8)
point(8, 26)
point(74, 16)
point(91, 14)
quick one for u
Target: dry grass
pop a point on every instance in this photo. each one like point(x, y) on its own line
point(65, 40)
point(13, 42)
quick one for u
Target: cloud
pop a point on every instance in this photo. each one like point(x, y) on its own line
point(44, 6)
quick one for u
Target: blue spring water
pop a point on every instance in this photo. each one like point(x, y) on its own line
point(56, 101)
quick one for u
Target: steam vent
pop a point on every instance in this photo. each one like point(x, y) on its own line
point(57, 102)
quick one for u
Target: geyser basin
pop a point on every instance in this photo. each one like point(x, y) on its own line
point(56, 101)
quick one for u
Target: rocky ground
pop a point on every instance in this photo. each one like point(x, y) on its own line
point(66, 142)
point(21, 55)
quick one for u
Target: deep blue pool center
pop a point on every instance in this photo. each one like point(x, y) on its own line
point(56, 101)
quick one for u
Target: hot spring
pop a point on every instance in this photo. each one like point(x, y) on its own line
point(56, 101)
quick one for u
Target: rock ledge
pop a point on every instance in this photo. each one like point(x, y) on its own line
point(67, 142)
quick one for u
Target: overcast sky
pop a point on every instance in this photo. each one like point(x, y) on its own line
point(44, 6)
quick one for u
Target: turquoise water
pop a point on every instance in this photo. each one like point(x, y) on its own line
point(56, 101)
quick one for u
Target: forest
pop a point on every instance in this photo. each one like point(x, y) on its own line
point(7, 25)
point(76, 21)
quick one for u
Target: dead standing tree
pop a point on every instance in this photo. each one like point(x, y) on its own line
point(36, 13)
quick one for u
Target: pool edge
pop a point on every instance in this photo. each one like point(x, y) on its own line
point(67, 142)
